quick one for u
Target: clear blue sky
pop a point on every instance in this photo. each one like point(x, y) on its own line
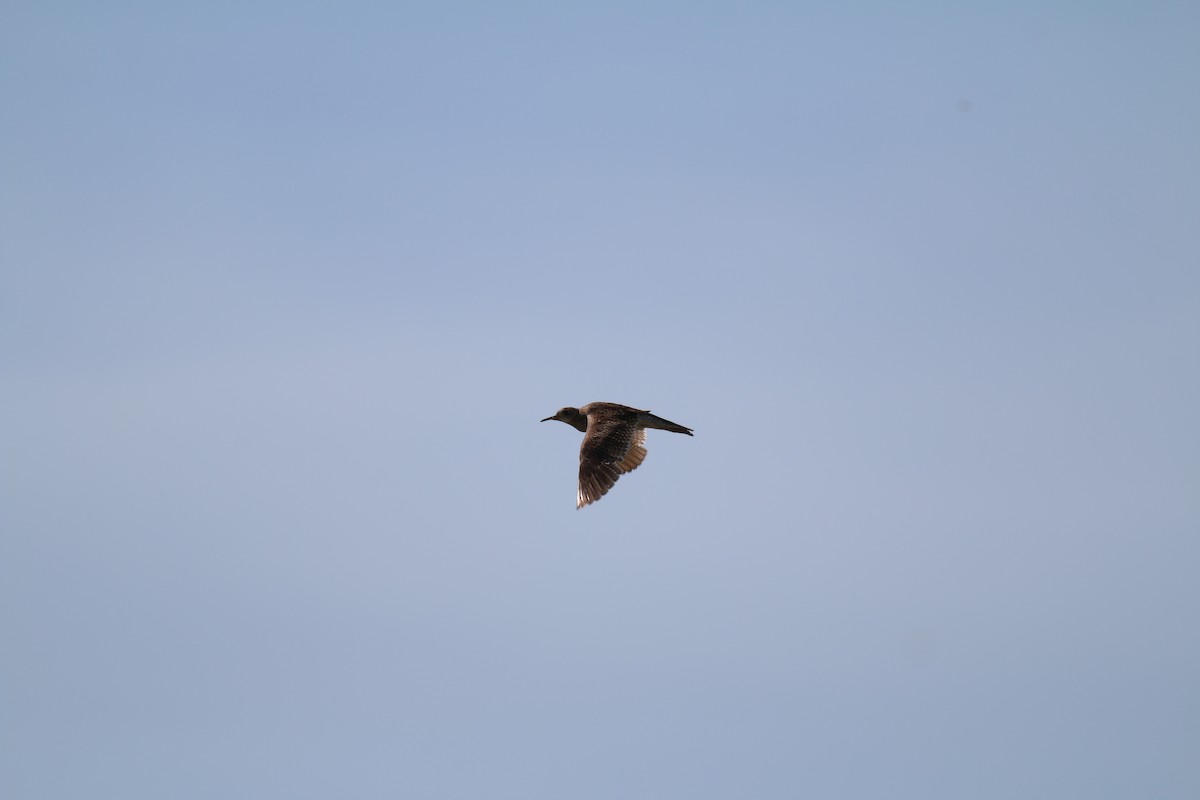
point(285, 289)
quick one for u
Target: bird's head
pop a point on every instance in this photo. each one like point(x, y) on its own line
point(572, 416)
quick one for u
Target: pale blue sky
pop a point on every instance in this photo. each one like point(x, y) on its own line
point(285, 289)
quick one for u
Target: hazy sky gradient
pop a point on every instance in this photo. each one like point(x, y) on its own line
point(285, 289)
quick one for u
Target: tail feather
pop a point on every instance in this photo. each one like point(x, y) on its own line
point(649, 420)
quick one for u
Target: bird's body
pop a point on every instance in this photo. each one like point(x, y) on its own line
point(614, 443)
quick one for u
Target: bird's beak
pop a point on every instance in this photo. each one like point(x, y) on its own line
point(547, 419)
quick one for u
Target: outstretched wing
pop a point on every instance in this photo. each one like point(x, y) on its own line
point(637, 452)
point(611, 448)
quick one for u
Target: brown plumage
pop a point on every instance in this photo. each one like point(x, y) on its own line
point(614, 443)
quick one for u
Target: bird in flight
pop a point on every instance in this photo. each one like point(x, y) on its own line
point(614, 443)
